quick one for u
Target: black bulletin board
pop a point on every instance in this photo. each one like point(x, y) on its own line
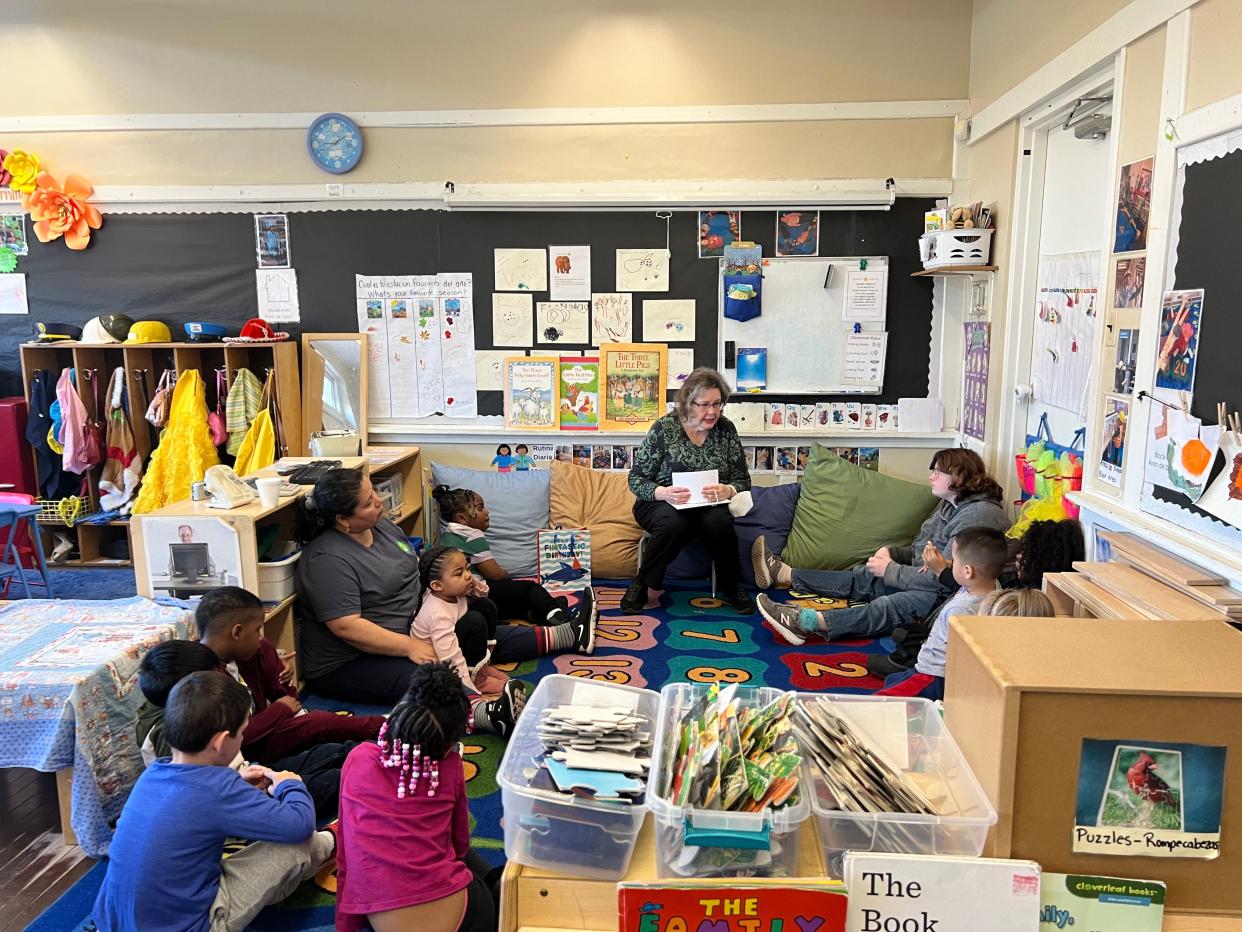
point(1209, 256)
point(182, 267)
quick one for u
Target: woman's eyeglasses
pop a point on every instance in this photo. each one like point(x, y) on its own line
point(707, 405)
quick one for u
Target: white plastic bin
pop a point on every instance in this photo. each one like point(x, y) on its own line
point(276, 575)
point(967, 814)
point(567, 834)
point(709, 843)
point(947, 248)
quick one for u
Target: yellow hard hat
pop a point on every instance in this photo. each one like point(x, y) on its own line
point(149, 331)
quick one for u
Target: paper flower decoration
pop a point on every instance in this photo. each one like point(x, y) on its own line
point(23, 169)
point(5, 175)
point(8, 260)
point(63, 212)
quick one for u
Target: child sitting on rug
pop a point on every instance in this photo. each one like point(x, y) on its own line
point(230, 623)
point(466, 519)
point(979, 555)
point(167, 664)
point(449, 593)
point(164, 864)
point(404, 859)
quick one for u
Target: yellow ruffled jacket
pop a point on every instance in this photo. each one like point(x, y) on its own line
point(185, 452)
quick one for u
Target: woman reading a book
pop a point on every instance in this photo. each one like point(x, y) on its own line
point(695, 437)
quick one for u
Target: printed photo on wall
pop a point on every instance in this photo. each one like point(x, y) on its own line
point(582, 455)
point(271, 240)
point(849, 454)
point(763, 460)
point(786, 461)
point(804, 457)
point(1113, 441)
point(869, 458)
point(622, 457)
point(1149, 799)
point(13, 233)
point(718, 229)
point(1181, 315)
point(1127, 362)
point(797, 233)
point(1133, 206)
point(601, 457)
point(189, 556)
point(1128, 283)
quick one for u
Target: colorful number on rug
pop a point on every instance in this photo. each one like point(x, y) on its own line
point(617, 668)
point(633, 632)
point(480, 760)
point(842, 672)
point(711, 670)
point(693, 636)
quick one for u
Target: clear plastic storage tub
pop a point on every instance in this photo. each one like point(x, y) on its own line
point(709, 843)
point(567, 834)
point(939, 771)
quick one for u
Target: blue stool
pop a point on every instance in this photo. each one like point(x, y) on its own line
point(12, 517)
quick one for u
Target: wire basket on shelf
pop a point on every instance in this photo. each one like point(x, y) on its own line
point(67, 511)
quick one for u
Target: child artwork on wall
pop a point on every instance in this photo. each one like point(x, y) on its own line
point(1181, 315)
point(718, 229)
point(1133, 206)
point(1113, 441)
point(612, 318)
point(797, 233)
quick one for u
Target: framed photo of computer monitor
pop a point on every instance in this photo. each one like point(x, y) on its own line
point(187, 556)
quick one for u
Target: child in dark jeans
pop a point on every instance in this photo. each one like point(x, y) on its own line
point(466, 521)
point(164, 864)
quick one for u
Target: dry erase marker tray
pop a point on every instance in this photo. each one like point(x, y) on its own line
point(569, 834)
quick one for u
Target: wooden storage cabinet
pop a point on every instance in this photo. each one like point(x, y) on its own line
point(143, 364)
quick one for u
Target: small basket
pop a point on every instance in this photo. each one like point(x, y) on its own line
point(942, 248)
point(62, 511)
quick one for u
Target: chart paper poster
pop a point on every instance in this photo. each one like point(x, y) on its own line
point(634, 378)
point(1153, 799)
point(1100, 904)
point(864, 358)
point(731, 907)
point(1064, 331)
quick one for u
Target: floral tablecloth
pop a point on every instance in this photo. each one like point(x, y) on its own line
point(69, 696)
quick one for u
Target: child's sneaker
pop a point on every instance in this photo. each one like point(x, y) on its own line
point(782, 618)
point(587, 607)
point(516, 691)
point(498, 713)
point(584, 629)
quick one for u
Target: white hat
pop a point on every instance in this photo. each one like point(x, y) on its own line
point(94, 332)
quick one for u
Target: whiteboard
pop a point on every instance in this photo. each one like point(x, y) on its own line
point(801, 326)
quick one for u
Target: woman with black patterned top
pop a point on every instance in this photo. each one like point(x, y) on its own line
point(695, 436)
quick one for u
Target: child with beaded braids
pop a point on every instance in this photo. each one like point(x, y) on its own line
point(466, 520)
point(403, 846)
point(450, 594)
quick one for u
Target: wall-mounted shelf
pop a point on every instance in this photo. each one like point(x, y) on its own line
point(954, 270)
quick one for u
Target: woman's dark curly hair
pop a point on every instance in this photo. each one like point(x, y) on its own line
point(967, 473)
point(1048, 547)
point(433, 713)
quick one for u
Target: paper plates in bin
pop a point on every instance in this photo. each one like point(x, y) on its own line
point(258, 330)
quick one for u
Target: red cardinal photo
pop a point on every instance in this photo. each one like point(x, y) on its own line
point(1146, 784)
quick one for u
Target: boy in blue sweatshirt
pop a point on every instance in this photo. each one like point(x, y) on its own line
point(164, 866)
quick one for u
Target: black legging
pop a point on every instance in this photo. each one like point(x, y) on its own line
point(670, 528)
point(381, 680)
point(482, 896)
point(521, 598)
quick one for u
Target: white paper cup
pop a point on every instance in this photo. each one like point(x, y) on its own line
point(269, 491)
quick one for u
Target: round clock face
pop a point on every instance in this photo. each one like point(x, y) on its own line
point(334, 142)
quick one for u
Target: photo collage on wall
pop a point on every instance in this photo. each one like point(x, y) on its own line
point(792, 459)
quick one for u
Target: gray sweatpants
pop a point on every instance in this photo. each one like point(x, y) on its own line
point(261, 874)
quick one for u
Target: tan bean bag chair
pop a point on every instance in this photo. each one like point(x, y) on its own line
point(603, 502)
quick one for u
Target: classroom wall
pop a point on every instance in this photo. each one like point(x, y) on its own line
point(83, 57)
point(1215, 50)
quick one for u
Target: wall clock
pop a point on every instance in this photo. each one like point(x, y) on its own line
point(334, 142)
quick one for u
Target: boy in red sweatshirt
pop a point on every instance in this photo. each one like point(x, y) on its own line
point(230, 623)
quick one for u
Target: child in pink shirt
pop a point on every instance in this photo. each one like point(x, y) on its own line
point(450, 592)
point(403, 844)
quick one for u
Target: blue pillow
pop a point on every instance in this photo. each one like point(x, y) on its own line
point(771, 516)
point(518, 503)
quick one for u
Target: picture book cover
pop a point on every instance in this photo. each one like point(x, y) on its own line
point(1149, 799)
point(530, 392)
point(1101, 904)
point(579, 393)
point(752, 368)
point(731, 906)
point(634, 376)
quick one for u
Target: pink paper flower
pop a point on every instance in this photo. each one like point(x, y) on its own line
point(5, 175)
point(64, 212)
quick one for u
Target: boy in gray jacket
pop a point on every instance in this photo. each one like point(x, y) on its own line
point(894, 585)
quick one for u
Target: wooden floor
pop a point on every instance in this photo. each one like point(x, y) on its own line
point(36, 866)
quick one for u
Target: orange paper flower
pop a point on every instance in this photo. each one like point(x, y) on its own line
point(63, 212)
point(24, 168)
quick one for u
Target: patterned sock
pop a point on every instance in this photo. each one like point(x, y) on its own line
point(555, 638)
point(784, 575)
point(478, 715)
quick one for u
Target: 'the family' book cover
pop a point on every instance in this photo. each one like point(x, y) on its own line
point(1101, 904)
